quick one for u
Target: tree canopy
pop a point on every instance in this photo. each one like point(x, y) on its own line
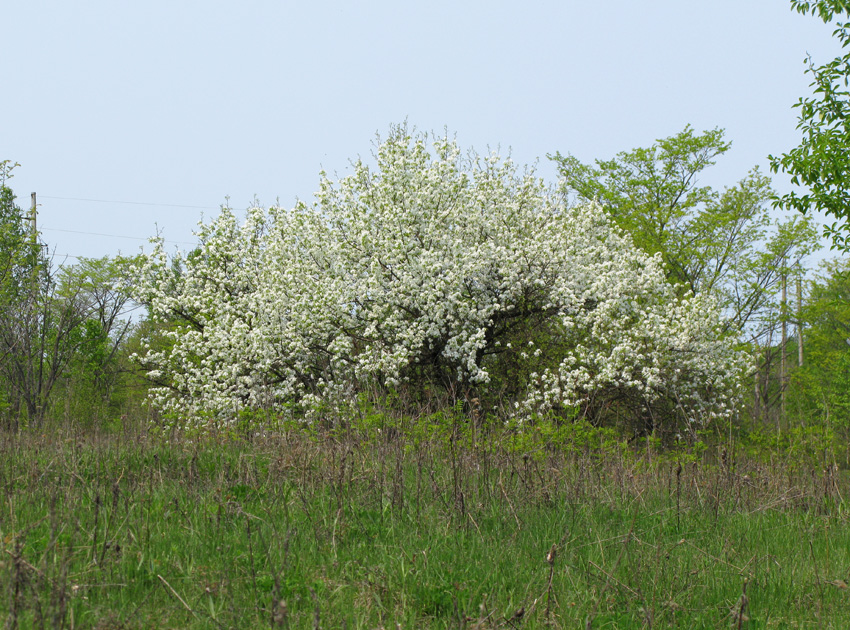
point(724, 244)
point(820, 165)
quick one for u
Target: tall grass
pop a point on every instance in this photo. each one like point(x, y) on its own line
point(410, 527)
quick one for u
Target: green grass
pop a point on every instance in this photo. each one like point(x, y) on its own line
point(127, 531)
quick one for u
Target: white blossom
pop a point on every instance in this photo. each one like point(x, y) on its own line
point(428, 259)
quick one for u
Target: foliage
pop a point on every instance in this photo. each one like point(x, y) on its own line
point(821, 163)
point(20, 255)
point(15, 251)
point(56, 325)
point(722, 244)
point(446, 276)
point(652, 194)
point(43, 335)
point(820, 389)
point(25, 336)
point(92, 379)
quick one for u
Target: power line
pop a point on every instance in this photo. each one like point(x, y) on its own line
point(135, 238)
point(56, 255)
point(133, 203)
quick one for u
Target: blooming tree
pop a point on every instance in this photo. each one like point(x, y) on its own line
point(431, 271)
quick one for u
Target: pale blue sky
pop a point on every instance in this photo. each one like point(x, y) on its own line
point(188, 102)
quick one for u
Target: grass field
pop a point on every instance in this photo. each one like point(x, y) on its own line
point(290, 530)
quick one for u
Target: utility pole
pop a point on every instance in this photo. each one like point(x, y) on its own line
point(799, 317)
point(34, 218)
point(783, 364)
point(757, 387)
point(33, 253)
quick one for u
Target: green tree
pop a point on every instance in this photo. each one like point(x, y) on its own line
point(56, 325)
point(92, 379)
point(820, 389)
point(821, 163)
point(20, 258)
point(721, 243)
point(21, 273)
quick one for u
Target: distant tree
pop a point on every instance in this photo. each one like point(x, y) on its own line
point(820, 389)
point(53, 321)
point(22, 267)
point(719, 243)
point(821, 163)
point(20, 259)
point(94, 371)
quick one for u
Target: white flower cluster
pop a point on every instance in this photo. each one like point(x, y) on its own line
point(429, 263)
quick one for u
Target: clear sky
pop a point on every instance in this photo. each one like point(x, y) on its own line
point(176, 106)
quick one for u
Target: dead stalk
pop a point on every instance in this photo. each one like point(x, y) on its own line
point(177, 595)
